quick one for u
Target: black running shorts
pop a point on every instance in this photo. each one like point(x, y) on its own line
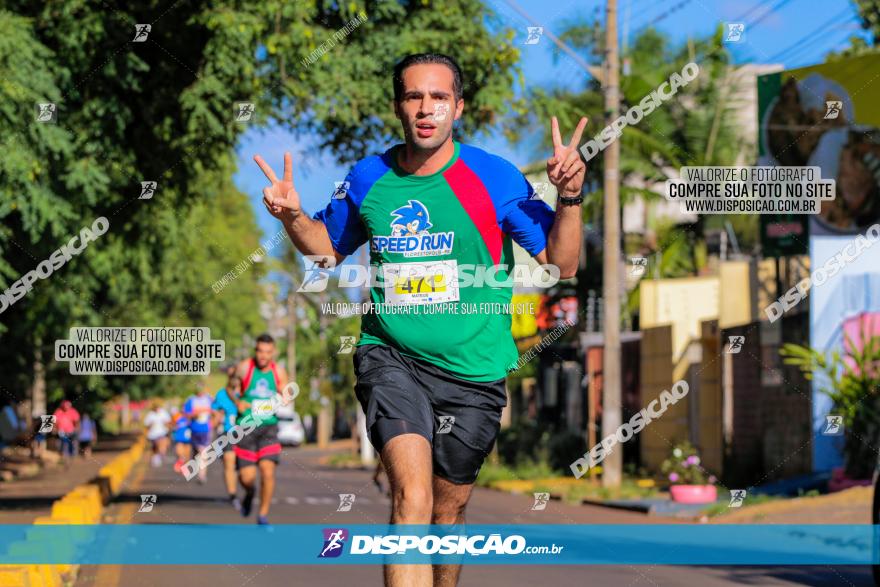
point(459, 418)
point(261, 444)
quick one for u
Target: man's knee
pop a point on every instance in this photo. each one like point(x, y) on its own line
point(267, 468)
point(448, 511)
point(414, 501)
point(247, 475)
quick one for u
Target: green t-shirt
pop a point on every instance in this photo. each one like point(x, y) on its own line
point(260, 391)
point(432, 238)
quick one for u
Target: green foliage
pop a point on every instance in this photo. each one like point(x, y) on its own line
point(592, 490)
point(526, 442)
point(852, 381)
point(869, 10)
point(493, 471)
point(522, 442)
point(561, 447)
point(163, 110)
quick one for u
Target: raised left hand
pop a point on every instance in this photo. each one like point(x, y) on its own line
point(566, 168)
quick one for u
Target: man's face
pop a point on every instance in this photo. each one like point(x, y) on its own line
point(264, 353)
point(428, 90)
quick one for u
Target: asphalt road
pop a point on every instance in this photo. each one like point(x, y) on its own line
point(307, 493)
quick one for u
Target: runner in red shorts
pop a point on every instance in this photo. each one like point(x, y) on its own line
point(261, 380)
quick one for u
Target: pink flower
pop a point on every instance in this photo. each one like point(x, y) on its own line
point(712, 479)
point(693, 460)
point(673, 477)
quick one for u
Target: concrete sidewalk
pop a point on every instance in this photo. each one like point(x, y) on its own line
point(23, 500)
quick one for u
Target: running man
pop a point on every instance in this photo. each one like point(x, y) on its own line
point(66, 426)
point(198, 410)
point(261, 380)
point(227, 412)
point(157, 421)
point(182, 438)
point(427, 207)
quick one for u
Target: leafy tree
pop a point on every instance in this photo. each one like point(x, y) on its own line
point(163, 110)
point(869, 10)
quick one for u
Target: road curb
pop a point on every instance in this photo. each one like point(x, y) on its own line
point(83, 505)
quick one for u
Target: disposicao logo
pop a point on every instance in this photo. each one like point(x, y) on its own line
point(409, 234)
point(334, 542)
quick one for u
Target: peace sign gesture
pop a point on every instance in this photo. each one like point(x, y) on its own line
point(280, 198)
point(565, 168)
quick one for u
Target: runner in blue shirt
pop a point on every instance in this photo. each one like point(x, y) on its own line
point(182, 437)
point(198, 409)
point(226, 412)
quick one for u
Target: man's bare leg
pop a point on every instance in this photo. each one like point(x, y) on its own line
point(408, 465)
point(247, 476)
point(229, 476)
point(267, 485)
point(450, 501)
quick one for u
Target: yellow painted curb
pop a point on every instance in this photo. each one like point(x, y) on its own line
point(22, 576)
point(82, 505)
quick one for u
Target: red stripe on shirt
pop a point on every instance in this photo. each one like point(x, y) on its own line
point(475, 199)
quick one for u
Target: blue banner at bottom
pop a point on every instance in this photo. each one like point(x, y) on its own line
point(629, 544)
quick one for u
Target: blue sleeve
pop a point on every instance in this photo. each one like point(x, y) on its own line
point(188, 406)
point(529, 224)
point(527, 218)
point(343, 220)
point(217, 404)
point(342, 215)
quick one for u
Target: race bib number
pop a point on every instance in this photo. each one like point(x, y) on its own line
point(203, 418)
point(432, 282)
point(262, 408)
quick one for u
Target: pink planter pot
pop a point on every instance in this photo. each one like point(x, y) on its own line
point(693, 493)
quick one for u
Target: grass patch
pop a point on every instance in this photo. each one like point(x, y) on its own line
point(495, 471)
point(721, 508)
point(344, 460)
point(593, 490)
point(530, 477)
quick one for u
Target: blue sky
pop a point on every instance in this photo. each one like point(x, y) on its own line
point(797, 33)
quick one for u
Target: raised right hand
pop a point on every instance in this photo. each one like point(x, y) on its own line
point(281, 199)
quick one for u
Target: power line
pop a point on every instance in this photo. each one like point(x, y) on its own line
point(646, 8)
point(748, 13)
point(808, 37)
point(792, 58)
point(769, 11)
point(659, 17)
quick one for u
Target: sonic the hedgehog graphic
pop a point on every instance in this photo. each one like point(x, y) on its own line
point(411, 220)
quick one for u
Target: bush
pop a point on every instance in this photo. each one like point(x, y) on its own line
point(526, 443)
point(563, 449)
point(520, 443)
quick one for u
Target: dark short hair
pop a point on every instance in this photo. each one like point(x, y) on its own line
point(265, 337)
point(420, 59)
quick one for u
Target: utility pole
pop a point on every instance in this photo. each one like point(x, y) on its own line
point(611, 396)
point(291, 331)
point(325, 416)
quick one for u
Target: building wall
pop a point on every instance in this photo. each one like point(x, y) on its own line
point(682, 303)
point(771, 434)
point(656, 375)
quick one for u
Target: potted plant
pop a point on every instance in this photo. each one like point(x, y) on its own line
point(689, 482)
